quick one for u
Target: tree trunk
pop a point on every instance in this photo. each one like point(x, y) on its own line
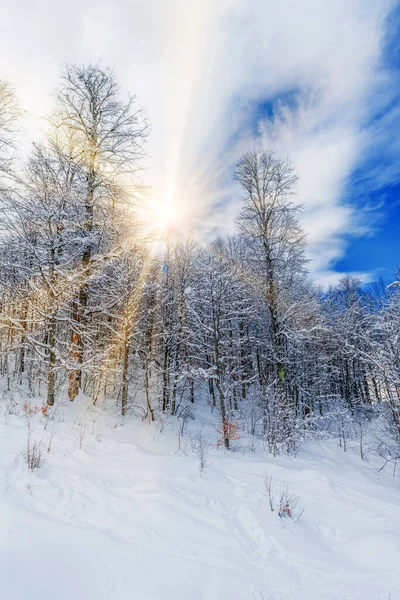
point(52, 361)
point(125, 363)
point(80, 304)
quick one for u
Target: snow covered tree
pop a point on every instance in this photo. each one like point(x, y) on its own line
point(277, 266)
point(9, 115)
point(41, 219)
point(108, 137)
point(219, 306)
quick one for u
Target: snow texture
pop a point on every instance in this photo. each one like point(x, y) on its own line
point(129, 516)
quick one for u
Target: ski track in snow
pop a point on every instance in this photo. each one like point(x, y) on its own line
point(130, 517)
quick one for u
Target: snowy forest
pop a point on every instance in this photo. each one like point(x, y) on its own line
point(186, 413)
point(200, 300)
point(92, 303)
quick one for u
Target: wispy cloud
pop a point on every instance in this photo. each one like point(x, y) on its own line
point(203, 67)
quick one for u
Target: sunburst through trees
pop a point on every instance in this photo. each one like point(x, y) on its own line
point(87, 304)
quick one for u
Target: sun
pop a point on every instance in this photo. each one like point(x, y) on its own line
point(164, 218)
point(165, 215)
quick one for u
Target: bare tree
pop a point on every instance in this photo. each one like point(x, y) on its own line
point(269, 220)
point(269, 223)
point(108, 137)
point(9, 115)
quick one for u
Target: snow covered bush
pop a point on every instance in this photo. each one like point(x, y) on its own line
point(387, 437)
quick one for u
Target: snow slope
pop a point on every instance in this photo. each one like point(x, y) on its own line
point(128, 516)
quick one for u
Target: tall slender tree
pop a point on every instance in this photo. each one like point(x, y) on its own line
point(269, 222)
point(108, 137)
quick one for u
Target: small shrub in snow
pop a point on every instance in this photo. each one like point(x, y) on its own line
point(97, 429)
point(270, 490)
point(50, 441)
point(33, 454)
point(11, 405)
point(80, 432)
point(182, 424)
point(161, 421)
point(200, 447)
point(282, 500)
point(388, 437)
point(251, 447)
point(29, 410)
point(54, 415)
point(288, 504)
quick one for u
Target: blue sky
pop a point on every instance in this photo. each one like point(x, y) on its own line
point(378, 252)
point(368, 243)
point(375, 251)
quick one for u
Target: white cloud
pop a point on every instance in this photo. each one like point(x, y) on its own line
point(330, 278)
point(199, 66)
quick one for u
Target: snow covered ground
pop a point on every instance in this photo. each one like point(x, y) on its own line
point(129, 517)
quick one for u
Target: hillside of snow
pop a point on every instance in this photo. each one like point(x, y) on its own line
point(129, 515)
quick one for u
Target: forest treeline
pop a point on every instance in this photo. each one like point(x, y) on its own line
point(86, 303)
